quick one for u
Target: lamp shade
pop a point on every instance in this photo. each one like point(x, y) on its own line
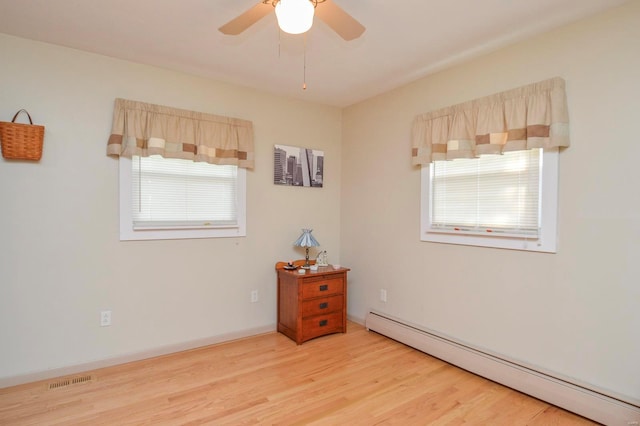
point(294, 16)
point(306, 239)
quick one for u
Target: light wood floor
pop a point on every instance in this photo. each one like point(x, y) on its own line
point(357, 378)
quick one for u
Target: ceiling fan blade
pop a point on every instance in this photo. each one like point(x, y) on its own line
point(339, 20)
point(246, 19)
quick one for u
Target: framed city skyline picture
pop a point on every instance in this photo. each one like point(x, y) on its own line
point(296, 166)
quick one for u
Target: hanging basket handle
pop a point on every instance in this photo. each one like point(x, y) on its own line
point(26, 112)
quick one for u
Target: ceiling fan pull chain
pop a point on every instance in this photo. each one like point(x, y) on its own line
point(304, 69)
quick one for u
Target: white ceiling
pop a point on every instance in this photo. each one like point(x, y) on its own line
point(404, 39)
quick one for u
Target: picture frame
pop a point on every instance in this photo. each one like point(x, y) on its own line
point(298, 166)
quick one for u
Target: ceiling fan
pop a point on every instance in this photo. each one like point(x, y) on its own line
point(290, 21)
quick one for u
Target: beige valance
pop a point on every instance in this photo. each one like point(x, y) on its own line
point(533, 116)
point(145, 129)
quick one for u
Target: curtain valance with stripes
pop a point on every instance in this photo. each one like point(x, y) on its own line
point(532, 116)
point(141, 129)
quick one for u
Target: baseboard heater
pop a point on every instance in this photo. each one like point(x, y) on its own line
point(588, 403)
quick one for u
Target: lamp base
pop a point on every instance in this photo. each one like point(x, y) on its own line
point(306, 260)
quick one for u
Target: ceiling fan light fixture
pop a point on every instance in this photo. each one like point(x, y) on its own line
point(294, 16)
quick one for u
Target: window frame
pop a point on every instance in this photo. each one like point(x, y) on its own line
point(546, 241)
point(129, 233)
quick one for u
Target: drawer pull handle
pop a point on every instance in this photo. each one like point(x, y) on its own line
point(324, 287)
point(323, 323)
point(324, 305)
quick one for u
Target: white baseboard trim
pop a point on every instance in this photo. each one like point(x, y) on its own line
point(588, 403)
point(357, 320)
point(137, 356)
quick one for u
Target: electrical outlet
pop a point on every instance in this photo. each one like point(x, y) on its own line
point(383, 295)
point(254, 296)
point(105, 318)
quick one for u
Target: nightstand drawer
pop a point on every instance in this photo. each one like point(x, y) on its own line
point(321, 325)
point(322, 287)
point(322, 306)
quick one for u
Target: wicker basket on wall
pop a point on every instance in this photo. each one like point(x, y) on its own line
point(21, 141)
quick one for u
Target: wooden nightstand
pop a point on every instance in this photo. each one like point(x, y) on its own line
point(312, 304)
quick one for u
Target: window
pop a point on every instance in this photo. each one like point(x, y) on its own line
point(504, 201)
point(164, 198)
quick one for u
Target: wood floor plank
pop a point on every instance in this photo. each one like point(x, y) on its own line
point(357, 378)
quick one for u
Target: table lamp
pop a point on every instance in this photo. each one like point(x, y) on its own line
point(306, 240)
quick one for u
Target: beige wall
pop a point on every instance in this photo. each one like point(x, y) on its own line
point(575, 312)
point(61, 261)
